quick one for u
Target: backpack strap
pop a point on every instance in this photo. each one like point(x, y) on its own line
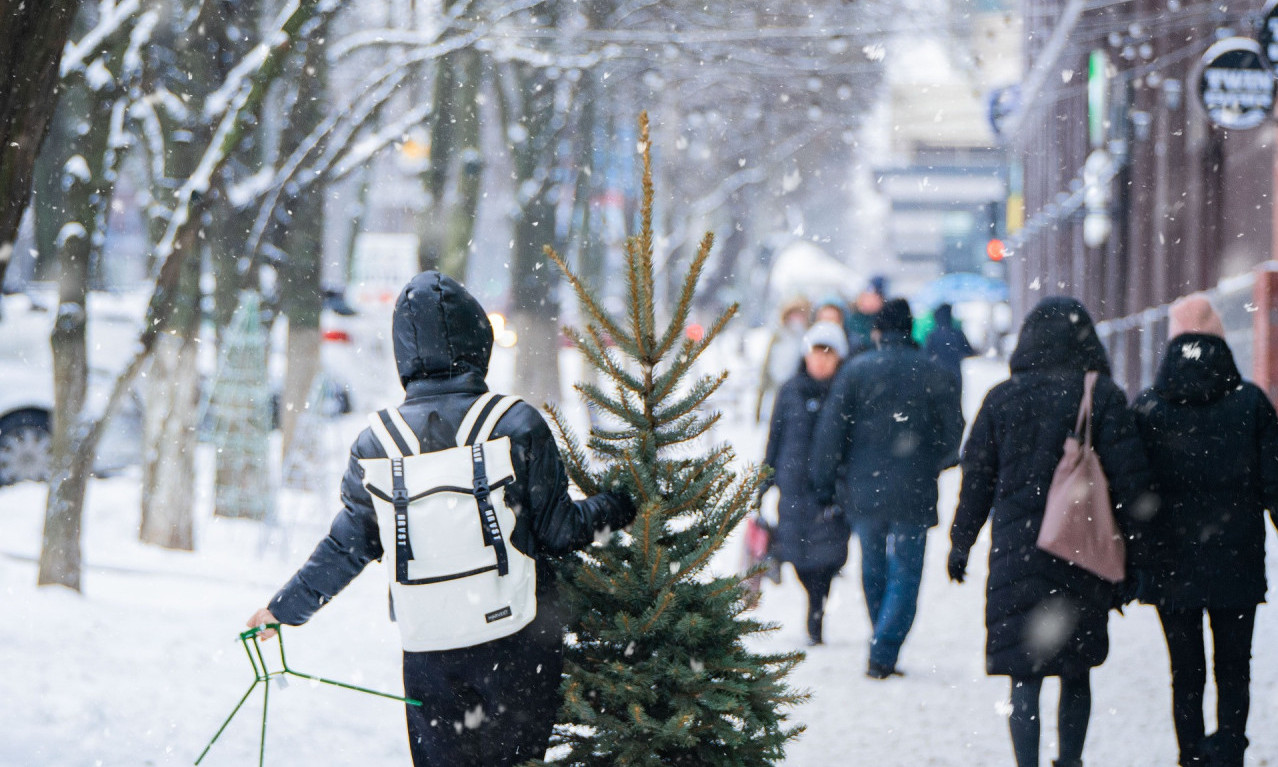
point(381, 425)
point(473, 416)
point(484, 425)
point(487, 514)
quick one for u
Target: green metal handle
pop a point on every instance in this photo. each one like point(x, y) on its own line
point(262, 674)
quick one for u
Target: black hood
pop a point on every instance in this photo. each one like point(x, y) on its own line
point(1197, 369)
point(440, 331)
point(1058, 334)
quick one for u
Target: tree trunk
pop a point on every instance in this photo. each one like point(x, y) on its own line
point(447, 225)
point(535, 309)
point(87, 166)
point(299, 380)
point(28, 95)
point(301, 292)
point(170, 421)
point(169, 428)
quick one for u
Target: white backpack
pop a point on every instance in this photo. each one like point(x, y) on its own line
point(456, 579)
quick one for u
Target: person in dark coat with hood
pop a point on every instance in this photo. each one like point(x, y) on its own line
point(946, 344)
point(1212, 440)
point(1044, 616)
point(443, 339)
point(890, 425)
point(811, 536)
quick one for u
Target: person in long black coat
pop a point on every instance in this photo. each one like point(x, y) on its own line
point(1045, 617)
point(891, 424)
point(443, 341)
point(1212, 440)
point(810, 535)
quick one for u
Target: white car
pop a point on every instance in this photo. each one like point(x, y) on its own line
point(26, 383)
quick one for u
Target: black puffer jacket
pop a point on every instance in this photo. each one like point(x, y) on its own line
point(806, 535)
point(1212, 440)
point(1044, 617)
point(443, 340)
point(891, 423)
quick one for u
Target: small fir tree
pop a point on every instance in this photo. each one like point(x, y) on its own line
point(658, 672)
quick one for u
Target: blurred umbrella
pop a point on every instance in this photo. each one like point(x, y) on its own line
point(958, 287)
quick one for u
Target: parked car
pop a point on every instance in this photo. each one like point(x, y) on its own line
point(26, 384)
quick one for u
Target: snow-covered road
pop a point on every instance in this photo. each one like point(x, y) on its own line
point(143, 667)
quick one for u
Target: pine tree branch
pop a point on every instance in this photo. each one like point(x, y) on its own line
point(584, 296)
point(679, 319)
point(578, 462)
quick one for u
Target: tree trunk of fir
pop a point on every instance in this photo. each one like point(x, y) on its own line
point(28, 95)
point(168, 431)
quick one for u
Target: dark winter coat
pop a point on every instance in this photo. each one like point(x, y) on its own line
point(1044, 617)
point(442, 341)
point(891, 423)
point(1212, 440)
point(809, 535)
point(946, 345)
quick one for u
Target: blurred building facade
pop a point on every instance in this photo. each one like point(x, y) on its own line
point(1131, 196)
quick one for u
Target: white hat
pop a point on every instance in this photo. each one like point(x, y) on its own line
point(827, 334)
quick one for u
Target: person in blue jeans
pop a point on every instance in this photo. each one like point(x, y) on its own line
point(890, 425)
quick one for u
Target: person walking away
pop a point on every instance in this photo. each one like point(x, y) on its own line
point(785, 349)
point(1212, 441)
point(492, 702)
point(890, 425)
point(946, 344)
point(1044, 616)
point(811, 536)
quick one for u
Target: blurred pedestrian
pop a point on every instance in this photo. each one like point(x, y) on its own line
point(889, 426)
point(810, 535)
point(484, 703)
point(785, 349)
point(946, 344)
point(1212, 440)
point(1044, 616)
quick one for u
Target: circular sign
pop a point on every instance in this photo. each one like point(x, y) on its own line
point(1267, 33)
point(1235, 84)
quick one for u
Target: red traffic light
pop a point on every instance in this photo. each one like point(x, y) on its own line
point(995, 250)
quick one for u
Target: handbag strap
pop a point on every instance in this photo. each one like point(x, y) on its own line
point(1083, 425)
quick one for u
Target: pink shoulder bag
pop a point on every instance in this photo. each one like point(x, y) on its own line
point(1078, 522)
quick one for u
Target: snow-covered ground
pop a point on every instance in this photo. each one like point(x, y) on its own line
point(143, 666)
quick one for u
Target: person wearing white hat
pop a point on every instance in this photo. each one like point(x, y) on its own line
point(811, 536)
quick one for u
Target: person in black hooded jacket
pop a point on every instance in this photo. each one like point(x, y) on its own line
point(1212, 440)
point(1044, 616)
point(889, 426)
point(493, 703)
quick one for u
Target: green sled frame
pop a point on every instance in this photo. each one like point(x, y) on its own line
point(262, 675)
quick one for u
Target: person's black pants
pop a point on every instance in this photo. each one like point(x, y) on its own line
point(816, 582)
point(1072, 716)
point(492, 705)
point(1231, 632)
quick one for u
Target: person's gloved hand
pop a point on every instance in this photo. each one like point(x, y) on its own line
point(957, 565)
point(621, 510)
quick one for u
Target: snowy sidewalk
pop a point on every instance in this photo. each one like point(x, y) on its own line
point(143, 667)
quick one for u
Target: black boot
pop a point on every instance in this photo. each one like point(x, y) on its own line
point(814, 628)
point(1069, 763)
